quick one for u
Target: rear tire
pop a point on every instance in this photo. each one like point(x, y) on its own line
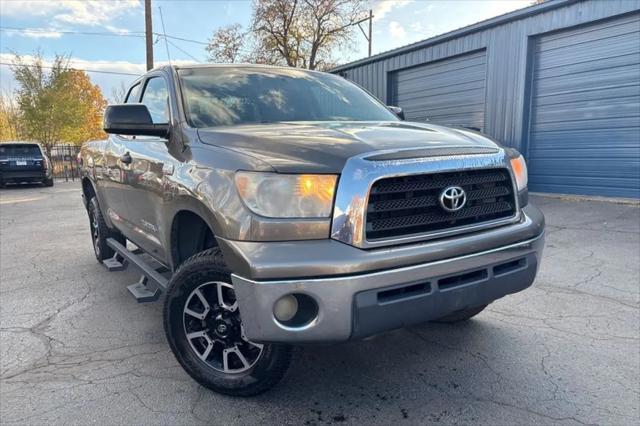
point(200, 303)
point(463, 315)
point(100, 232)
point(48, 182)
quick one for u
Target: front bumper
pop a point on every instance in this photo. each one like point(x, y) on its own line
point(382, 289)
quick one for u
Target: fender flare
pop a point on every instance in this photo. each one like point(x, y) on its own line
point(186, 204)
point(86, 178)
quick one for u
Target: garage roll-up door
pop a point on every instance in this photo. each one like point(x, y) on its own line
point(449, 91)
point(585, 118)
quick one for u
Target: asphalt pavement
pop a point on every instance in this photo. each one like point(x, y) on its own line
point(75, 348)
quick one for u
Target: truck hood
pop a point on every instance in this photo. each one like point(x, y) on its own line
point(324, 147)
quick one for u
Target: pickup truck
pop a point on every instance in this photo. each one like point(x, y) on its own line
point(274, 206)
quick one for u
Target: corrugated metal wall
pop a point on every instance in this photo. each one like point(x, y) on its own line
point(509, 48)
point(449, 92)
point(585, 115)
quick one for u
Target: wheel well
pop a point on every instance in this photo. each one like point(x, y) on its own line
point(87, 189)
point(190, 234)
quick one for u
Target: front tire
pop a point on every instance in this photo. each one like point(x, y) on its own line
point(100, 232)
point(204, 329)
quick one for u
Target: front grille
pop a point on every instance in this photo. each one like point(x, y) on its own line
point(410, 204)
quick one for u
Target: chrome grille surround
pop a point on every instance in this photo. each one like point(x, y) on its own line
point(359, 174)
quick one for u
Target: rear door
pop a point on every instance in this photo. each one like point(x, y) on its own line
point(150, 164)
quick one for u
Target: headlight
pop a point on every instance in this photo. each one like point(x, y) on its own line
point(519, 168)
point(287, 196)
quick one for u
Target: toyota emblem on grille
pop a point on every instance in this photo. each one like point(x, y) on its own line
point(453, 198)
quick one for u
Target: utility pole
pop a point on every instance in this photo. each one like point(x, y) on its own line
point(368, 35)
point(370, 25)
point(148, 33)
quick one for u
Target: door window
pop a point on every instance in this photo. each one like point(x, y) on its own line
point(156, 98)
point(133, 95)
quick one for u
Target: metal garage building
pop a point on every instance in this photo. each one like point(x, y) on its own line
point(559, 81)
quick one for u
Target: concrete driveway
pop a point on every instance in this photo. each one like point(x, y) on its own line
point(77, 349)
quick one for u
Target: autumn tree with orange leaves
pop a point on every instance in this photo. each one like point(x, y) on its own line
point(60, 105)
point(83, 100)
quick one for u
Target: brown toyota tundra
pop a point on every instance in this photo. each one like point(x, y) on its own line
point(275, 206)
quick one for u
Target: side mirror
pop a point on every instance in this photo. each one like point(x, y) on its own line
point(397, 111)
point(132, 119)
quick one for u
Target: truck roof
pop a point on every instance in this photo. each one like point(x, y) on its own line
point(234, 65)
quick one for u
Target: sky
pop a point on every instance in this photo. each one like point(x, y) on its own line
point(112, 41)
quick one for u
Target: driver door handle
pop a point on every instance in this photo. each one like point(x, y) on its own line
point(126, 158)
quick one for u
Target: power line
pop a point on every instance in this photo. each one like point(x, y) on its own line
point(182, 50)
point(185, 39)
point(79, 69)
point(195, 41)
point(138, 34)
point(164, 33)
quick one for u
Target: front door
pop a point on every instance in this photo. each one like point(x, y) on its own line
point(148, 170)
point(112, 173)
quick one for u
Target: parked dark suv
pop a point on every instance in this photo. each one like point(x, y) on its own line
point(24, 162)
point(276, 206)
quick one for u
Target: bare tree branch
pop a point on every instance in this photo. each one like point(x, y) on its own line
point(298, 33)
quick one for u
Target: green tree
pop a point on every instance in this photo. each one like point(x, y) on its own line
point(58, 106)
point(10, 129)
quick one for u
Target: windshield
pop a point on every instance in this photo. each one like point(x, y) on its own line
point(19, 150)
point(225, 96)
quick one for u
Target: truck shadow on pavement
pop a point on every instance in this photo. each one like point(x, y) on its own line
point(75, 348)
point(426, 373)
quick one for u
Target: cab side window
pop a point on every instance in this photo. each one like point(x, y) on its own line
point(156, 98)
point(133, 95)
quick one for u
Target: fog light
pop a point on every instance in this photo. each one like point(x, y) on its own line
point(285, 308)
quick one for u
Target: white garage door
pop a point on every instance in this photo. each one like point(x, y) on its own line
point(585, 121)
point(449, 91)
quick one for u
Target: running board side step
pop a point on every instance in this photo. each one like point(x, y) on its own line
point(115, 263)
point(151, 284)
point(142, 293)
